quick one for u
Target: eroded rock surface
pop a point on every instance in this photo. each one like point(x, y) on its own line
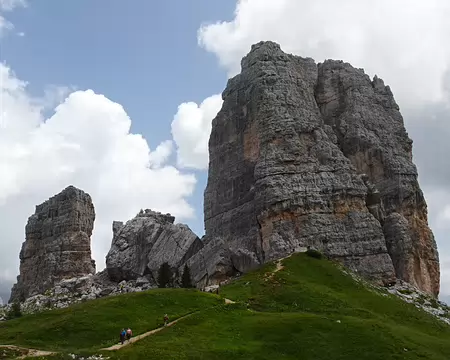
point(316, 155)
point(140, 246)
point(371, 133)
point(57, 245)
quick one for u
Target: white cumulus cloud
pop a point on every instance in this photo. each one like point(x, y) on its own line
point(191, 128)
point(86, 142)
point(403, 41)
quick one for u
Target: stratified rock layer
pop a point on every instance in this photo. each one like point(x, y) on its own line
point(316, 155)
point(57, 244)
point(371, 133)
point(147, 241)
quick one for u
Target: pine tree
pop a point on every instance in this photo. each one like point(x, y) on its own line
point(186, 280)
point(164, 275)
point(15, 311)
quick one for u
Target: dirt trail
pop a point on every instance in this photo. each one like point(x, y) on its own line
point(25, 352)
point(148, 333)
point(279, 265)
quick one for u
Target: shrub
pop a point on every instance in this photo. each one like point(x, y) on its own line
point(405, 291)
point(15, 311)
point(314, 253)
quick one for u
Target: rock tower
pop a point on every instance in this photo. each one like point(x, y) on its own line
point(57, 245)
point(305, 154)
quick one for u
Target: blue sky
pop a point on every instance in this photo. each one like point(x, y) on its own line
point(143, 56)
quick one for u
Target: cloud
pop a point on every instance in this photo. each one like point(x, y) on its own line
point(398, 40)
point(8, 5)
point(191, 128)
point(404, 42)
point(85, 142)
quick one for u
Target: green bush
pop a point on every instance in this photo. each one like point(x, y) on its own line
point(14, 312)
point(314, 253)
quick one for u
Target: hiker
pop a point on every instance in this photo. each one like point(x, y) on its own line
point(129, 334)
point(166, 320)
point(122, 336)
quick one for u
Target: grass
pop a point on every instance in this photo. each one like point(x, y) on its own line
point(236, 333)
point(308, 310)
point(97, 323)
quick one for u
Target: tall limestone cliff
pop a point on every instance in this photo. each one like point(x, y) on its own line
point(57, 245)
point(316, 155)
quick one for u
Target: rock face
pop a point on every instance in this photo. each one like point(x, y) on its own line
point(370, 131)
point(144, 243)
point(316, 155)
point(57, 244)
point(212, 264)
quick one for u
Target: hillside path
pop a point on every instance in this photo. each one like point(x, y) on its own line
point(27, 352)
point(141, 336)
point(278, 267)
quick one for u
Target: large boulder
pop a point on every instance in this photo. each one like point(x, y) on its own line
point(145, 242)
point(57, 245)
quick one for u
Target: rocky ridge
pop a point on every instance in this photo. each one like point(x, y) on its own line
point(409, 294)
point(79, 289)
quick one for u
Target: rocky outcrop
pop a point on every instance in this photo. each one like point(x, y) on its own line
point(315, 155)
point(370, 132)
point(144, 243)
point(57, 244)
point(79, 289)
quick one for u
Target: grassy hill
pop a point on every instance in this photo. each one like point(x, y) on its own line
point(309, 309)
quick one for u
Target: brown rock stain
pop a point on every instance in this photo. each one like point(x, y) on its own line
point(276, 141)
point(342, 208)
point(426, 271)
point(369, 164)
point(267, 226)
point(251, 143)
